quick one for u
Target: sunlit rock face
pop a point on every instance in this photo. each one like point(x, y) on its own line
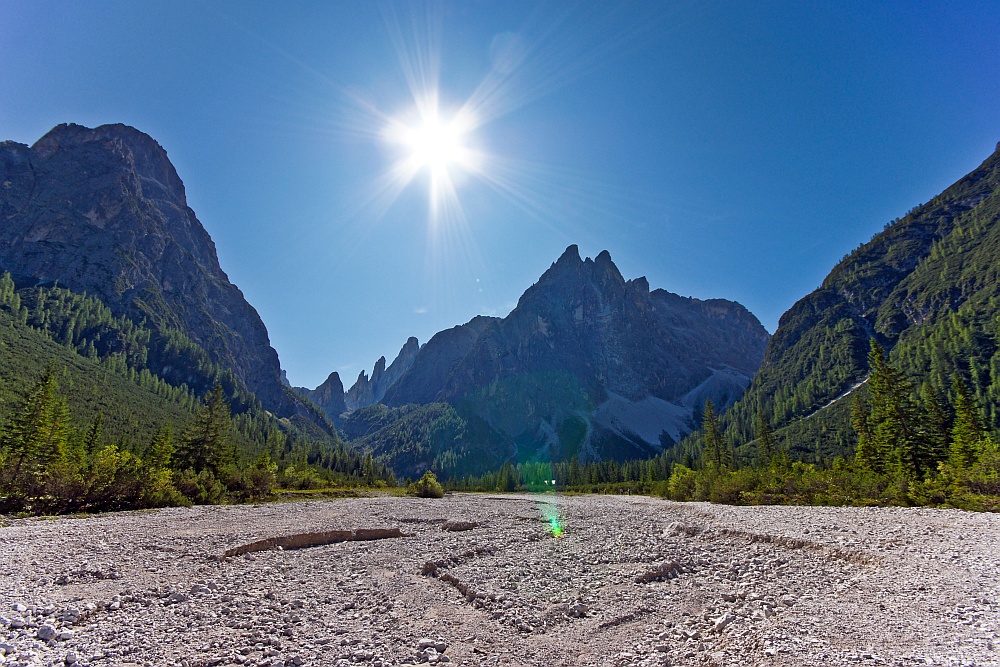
point(590, 364)
point(103, 211)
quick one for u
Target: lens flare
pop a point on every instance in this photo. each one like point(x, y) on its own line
point(551, 514)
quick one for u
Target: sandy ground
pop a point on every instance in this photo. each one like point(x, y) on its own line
point(482, 580)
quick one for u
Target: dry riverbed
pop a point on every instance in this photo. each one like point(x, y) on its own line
point(482, 580)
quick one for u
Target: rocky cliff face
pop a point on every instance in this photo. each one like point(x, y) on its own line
point(367, 391)
point(329, 396)
point(103, 211)
point(434, 363)
point(589, 362)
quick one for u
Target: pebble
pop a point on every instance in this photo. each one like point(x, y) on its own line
point(508, 593)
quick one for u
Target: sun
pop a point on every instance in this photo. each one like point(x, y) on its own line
point(435, 144)
point(433, 141)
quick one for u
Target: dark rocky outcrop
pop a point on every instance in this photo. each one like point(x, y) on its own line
point(103, 211)
point(367, 391)
point(430, 369)
point(589, 362)
point(329, 396)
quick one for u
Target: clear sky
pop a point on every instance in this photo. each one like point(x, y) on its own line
point(722, 149)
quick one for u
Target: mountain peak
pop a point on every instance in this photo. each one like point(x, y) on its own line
point(570, 256)
point(103, 211)
point(148, 157)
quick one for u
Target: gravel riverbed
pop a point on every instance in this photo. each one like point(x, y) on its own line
point(482, 580)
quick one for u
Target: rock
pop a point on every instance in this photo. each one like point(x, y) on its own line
point(70, 658)
point(103, 211)
point(367, 391)
point(722, 622)
point(20, 608)
point(177, 597)
point(46, 632)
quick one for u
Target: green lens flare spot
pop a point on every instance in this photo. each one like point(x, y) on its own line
point(557, 530)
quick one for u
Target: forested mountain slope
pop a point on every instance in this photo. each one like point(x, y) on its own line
point(926, 288)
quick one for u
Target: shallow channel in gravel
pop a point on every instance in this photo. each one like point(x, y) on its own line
point(481, 580)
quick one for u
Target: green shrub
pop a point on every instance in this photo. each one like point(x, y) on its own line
point(681, 485)
point(426, 487)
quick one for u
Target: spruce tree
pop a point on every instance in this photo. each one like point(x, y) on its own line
point(765, 439)
point(161, 450)
point(712, 437)
point(967, 431)
point(936, 432)
point(867, 455)
point(207, 443)
point(894, 420)
point(37, 437)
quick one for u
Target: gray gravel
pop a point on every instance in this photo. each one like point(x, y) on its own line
point(481, 580)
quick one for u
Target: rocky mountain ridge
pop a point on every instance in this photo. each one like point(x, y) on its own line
point(367, 391)
point(103, 211)
point(587, 364)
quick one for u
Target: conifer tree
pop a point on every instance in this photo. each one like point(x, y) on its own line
point(94, 435)
point(765, 438)
point(893, 420)
point(161, 450)
point(967, 431)
point(866, 456)
point(712, 437)
point(936, 433)
point(37, 437)
point(207, 443)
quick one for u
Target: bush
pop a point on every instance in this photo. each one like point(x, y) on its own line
point(681, 484)
point(301, 478)
point(426, 487)
point(202, 488)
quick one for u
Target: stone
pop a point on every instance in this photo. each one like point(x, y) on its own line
point(722, 622)
point(46, 632)
point(70, 658)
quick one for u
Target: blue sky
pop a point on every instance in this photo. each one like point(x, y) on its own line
point(722, 149)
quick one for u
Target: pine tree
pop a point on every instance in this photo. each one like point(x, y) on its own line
point(765, 438)
point(894, 420)
point(207, 443)
point(866, 456)
point(712, 436)
point(936, 433)
point(967, 431)
point(37, 437)
point(94, 435)
point(161, 450)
